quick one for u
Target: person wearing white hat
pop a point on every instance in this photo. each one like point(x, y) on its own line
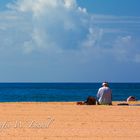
point(104, 95)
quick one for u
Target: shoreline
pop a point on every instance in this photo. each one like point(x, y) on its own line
point(69, 102)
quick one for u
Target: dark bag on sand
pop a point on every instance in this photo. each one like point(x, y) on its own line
point(90, 101)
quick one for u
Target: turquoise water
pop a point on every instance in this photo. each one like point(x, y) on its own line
point(50, 92)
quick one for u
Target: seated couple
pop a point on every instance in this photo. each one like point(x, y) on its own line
point(104, 96)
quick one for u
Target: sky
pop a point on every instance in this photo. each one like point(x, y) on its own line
point(69, 40)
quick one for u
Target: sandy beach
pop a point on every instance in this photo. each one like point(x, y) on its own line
point(68, 121)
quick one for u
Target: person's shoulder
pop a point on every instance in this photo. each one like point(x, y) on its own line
point(101, 88)
point(105, 88)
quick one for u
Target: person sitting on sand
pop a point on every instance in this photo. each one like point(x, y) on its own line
point(131, 98)
point(104, 95)
point(90, 101)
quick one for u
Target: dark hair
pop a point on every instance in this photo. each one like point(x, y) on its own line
point(90, 101)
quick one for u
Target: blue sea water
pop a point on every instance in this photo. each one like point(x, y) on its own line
point(51, 92)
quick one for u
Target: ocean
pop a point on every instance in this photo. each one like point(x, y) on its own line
point(58, 92)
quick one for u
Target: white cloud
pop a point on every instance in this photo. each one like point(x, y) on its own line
point(54, 26)
point(94, 36)
point(107, 19)
point(126, 48)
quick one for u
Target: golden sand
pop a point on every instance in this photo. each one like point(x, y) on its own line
point(68, 121)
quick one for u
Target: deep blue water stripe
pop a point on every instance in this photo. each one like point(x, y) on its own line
point(49, 92)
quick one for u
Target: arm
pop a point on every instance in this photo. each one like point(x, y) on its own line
point(98, 94)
